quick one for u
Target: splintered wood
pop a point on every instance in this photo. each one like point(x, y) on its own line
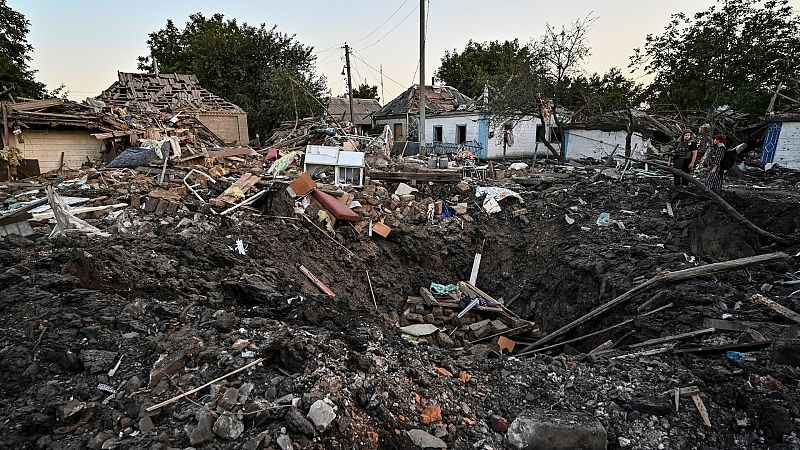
point(701, 407)
point(322, 286)
point(778, 308)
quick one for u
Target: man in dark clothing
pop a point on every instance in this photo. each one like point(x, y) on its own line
point(684, 156)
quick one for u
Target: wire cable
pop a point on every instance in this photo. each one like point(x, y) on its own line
point(390, 31)
point(382, 24)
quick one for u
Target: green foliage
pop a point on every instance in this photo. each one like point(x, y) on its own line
point(267, 73)
point(492, 62)
point(733, 53)
point(15, 54)
point(365, 91)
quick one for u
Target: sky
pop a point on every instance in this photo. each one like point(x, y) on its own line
point(83, 43)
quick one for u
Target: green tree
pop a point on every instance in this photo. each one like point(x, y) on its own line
point(15, 55)
point(492, 63)
point(267, 73)
point(733, 53)
point(365, 91)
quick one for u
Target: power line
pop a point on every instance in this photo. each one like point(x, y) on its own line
point(394, 28)
point(386, 76)
point(383, 23)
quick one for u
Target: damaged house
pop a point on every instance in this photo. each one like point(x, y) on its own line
point(53, 134)
point(782, 141)
point(178, 97)
point(363, 108)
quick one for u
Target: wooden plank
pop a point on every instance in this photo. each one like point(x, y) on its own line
point(244, 183)
point(777, 307)
point(674, 337)
point(701, 407)
point(427, 296)
point(725, 325)
point(317, 282)
point(712, 349)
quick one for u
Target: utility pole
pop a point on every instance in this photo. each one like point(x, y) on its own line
point(349, 81)
point(421, 128)
point(382, 97)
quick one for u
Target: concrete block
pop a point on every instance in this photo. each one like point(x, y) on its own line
point(541, 430)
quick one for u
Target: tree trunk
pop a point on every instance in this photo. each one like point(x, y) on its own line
point(546, 141)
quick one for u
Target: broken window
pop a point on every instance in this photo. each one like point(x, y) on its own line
point(437, 133)
point(461, 134)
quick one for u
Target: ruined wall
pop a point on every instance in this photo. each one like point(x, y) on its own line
point(230, 127)
point(449, 124)
point(524, 140)
point(46, 146)
point(599, 144)
point(787, 153)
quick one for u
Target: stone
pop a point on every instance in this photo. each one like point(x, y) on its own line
point(228, 426)
point(203, 432)
point(422, 439)
point(98, 361)
point(623, 442)
point(421, 329)
point(146, 424)
point(480, 350)
point(166, 366)
point(444, 340)
point(296, 421)
point(541, 430)
point(650, 405)
point(96, 442)
point(285, 442)
point(255, 442)
point(498, 326)
point(229, 399)
point(462, 187)
point(474, 327)
point(70, 410)
point(431, 414)
point(499, 424)
point(244, 392)
point(321, 415)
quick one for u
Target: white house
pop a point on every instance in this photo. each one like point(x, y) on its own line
point(587, 142)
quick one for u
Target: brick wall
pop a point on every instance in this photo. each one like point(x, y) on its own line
point(787, 153)
point(47, 145)
point(231, 128)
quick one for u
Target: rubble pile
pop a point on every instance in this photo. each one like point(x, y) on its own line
point(236, 298)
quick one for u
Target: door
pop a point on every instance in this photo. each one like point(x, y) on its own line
point(461, 134)
point(398, 132)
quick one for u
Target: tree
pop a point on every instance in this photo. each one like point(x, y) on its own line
point(540, 87)
point(15, 55)
point(492, 63)
point(365, 91)
point(267, 73)
point(733, 53)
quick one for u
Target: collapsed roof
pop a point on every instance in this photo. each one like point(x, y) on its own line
point(438, 100)
point(166, 92)
point(363, 108)
point(55, 112)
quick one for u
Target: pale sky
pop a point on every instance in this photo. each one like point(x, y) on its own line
point(83, 43)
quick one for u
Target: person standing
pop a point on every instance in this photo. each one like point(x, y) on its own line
point(716, 155)
point(684, 156)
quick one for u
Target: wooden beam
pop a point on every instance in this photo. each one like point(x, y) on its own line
point(317, 282)
point(674, 337)
point(777, 307)
point(663, 277)
point(715, 349)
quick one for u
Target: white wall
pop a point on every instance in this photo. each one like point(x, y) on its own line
point(449, 124)
point(46, 146)
point(391, 122)
point(524, 139)
point(787, 153)
point(599, 144)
